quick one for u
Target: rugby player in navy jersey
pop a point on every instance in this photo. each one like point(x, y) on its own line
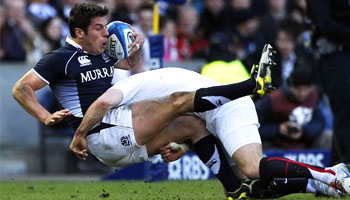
point(77, 73)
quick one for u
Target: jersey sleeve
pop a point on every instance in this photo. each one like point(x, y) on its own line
point(49, 67)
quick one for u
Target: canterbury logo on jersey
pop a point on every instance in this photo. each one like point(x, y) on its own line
point(96, 74)
point(211, 163)
point(84, 61)
point(217, 100)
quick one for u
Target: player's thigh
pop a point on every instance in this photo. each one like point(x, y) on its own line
point(150, 117)
point(183, 128)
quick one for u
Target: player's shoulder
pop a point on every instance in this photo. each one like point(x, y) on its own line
point(59, 56)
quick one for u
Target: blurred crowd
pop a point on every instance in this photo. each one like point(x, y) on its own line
point(225, 30)
point(31, 28)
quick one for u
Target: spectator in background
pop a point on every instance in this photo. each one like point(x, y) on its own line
point(235, 12)
point(247, 36)
point(17, 32)
point(222, 66)
point(288, 56)
point(39, 11)
point(144, 25)
point(67, 6)
point(276, 13)
point(289, 116)
point(301, 3)
point(211, 19)
point(220, 48)
point(168, 29)
point(127, 11)
point(2, 27)
point(51, 32)
point(190, 44)
point(111, 5)
point(331, 20)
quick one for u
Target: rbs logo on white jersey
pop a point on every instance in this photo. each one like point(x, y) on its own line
point(84, 61)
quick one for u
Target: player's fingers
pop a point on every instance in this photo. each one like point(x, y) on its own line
point(80, 154)
point(165, 153)
point(50, 122)
point(67, 114)
point(165, 158)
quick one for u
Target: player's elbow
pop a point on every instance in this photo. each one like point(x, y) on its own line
point(104, 104)
point(17, 89)
point(110, 99)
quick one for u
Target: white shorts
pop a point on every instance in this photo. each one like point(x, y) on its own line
point(223, 122)
point(116, 146)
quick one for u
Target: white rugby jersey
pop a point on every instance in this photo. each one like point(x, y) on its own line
point(77, 78)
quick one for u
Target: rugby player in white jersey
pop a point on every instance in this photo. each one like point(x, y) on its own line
point(139, 109)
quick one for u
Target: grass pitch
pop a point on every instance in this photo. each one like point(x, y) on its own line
point(120, 190)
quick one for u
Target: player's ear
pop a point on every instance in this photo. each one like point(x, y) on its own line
point(79, 33)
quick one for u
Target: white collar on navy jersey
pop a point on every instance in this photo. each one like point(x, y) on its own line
point(70, 41)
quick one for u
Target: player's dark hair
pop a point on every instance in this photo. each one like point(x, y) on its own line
point(81, 14)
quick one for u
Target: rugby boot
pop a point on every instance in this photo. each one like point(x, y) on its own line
point(249, 189)
point(342, 178)
point(262, 72)
point(325, 190)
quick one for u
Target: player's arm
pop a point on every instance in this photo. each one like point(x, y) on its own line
point(23, 92)
point(135, 58)
point(93, 115)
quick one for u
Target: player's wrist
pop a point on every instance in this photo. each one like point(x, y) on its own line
point(183, 146)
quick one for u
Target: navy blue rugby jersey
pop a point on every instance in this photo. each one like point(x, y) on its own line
point(77, 78)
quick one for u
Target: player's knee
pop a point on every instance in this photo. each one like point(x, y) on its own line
point(251, 171)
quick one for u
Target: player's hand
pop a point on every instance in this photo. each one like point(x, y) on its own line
point(79, 147)
point(57, 117)
point(170, 154)
point(137, 43)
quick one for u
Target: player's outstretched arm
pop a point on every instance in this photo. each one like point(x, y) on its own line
point(93, 115)
point(23, 92)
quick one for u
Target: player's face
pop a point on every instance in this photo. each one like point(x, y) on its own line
point(95, 39)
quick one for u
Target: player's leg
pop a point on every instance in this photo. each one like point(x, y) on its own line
point(249, 159)
point(259, 83)
point(205, 145)
point(275, 188)
point(155, 114)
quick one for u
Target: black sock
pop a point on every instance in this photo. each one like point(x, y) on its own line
point(275, 188)
point(212, 155)
point(276, 167)
point(213, 97)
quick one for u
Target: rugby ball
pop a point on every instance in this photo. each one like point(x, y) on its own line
point(120, 36)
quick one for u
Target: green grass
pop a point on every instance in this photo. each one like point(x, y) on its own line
point(57, 190)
